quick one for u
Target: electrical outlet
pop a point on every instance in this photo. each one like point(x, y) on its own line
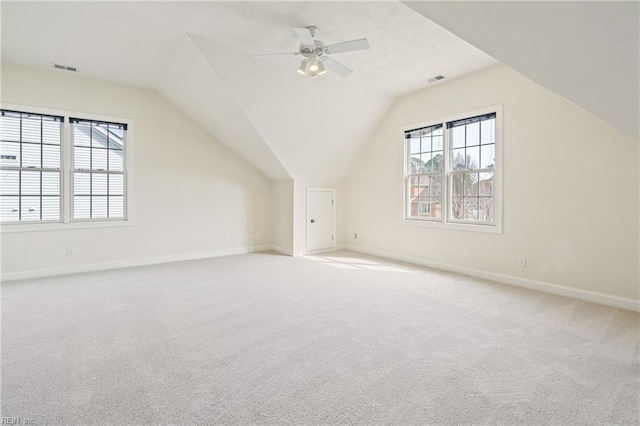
point(69, 252)
point(355, 236)
point(522, 261)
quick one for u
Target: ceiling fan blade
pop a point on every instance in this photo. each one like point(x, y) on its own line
point(267, 55)
point(347, 46)
point(304, 35)
point(337, 67)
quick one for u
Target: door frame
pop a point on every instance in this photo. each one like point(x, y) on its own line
point(333, 213)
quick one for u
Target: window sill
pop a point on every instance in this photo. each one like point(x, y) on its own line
point(42, 227)
point(487, 229)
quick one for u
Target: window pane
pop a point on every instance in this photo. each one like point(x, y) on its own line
point(487, 131)
point(31, 131)
point(30, 208)
point(485, 211)
point(485, 186)
point(30, 183)
point(487, 156)
point(81, 207)
point(51, 132)
point(99, 207)
point(413, 207)
point(116, 207)
point(9, 182)
point(436, 143)
point(99, 136)
point(81, 184)
point(425, 158)
point(50, 208)
point(435, 207)
point(459, 162)
point(9, 209)
point(115, 160)
point(81, 134)
point(457, 184)
point(31, 155)
point(435, 186)
point(457, 136)
point(470, 208)
point(414, 145)
point(116, 184)
point(115, 138)
point(473, 158)
point(10, 152)
point(437, 161)
point(51, 156)
point(424, 186)
point(416, 164)
point(81, 158)
point(470, 184)
point(413, 189)
point(473, 134)
point(50, 183)
point(99, 184)
point(99, 159)
point(438, 131)
point(423, 206)
point(425, 144)
point(10, 129)
point(457, 209)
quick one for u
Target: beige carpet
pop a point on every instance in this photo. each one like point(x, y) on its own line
point(335, 339)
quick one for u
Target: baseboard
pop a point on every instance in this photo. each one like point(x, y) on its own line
point(102, 266)
point(282, 250)
point(587, 295)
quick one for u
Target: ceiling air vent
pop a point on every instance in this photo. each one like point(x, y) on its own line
point(65, 68)
point(436, 78)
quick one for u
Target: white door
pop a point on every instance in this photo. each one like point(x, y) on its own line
point(320, 219)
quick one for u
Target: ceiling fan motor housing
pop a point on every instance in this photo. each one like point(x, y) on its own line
point(308, 50)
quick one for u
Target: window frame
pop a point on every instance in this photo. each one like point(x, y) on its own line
point(446, 222)
point(107, 173)
point(40, 170)
point(66, 169)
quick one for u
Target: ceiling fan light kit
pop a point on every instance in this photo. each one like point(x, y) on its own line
point(317, 60)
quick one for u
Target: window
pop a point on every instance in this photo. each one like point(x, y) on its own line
point(62, 169)
point(98, 169)
point(451, 171)
point(30, 167)
point(425, 164)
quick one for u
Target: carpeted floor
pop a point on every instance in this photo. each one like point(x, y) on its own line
point(336, 339)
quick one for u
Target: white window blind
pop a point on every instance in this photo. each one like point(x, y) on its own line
point(99, 175)
point(30, 167)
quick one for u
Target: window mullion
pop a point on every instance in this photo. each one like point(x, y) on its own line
point(446, 195)
point(67, 177)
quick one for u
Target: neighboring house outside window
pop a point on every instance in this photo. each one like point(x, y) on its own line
point(62, 170)
point(452, 169)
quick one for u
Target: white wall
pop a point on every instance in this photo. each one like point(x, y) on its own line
point(570, 199)
point(282, 229)
point(192, 194)
point(300, 211)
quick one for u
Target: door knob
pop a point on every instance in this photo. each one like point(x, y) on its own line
point(313, 221)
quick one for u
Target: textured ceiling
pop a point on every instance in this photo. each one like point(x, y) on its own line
point(199, 56)
point(587, 52)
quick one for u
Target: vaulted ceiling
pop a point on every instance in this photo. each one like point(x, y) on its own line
point(585, 51)
point(199, 55)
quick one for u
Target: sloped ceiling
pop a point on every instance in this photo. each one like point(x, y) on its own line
point(199, 55)
point(587, 52)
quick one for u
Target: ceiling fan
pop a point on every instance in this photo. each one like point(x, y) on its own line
point(316, 55)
